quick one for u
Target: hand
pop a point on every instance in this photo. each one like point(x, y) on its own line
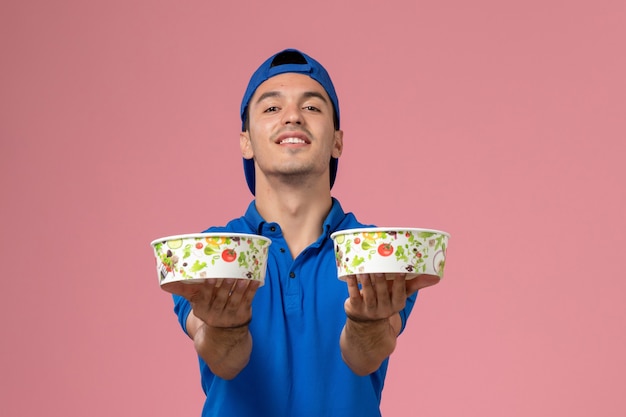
point(377, 299)
point(219, 303)
point(381, 295)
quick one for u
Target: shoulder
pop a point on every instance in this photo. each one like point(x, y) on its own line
point(350, 221)
point(235, 225)
point(250, 222)
point(338, 219)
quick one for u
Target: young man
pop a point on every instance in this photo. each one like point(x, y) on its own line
point(306, 343)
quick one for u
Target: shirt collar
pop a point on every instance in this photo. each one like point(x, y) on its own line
point(331, 223)
point(253, 218)
point(334, 218)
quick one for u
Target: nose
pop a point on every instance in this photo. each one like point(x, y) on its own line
point(292, 114)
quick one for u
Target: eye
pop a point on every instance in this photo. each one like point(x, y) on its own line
point(270, 109)
point(312, 108)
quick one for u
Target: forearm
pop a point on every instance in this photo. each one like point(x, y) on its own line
point(225, 350)
point(365, 345)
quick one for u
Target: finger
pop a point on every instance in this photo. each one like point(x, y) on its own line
point(210, 287)
point(202, 295)
point(242, 292)
point(181, 288)
point(238, 308)
point(383, 297)
point(354, 302)
point(221, 294)
point(250, 290)
point(368, 290)
point(355, 299)
point(398, 292)
point(202, 292)
point(200, 300)
point(421, 281)
point(233, 286)
point(233, 306)
point(365, 281)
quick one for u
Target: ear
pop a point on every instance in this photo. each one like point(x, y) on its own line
point(245, 146)
point(338, 145)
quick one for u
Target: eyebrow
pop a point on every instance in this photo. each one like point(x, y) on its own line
point(307, 94)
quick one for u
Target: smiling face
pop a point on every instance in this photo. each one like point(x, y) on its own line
point(291, 133)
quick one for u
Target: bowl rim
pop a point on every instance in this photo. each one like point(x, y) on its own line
point(385, 229)
point(209, 234)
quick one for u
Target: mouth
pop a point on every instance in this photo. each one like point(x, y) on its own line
point(292, 138)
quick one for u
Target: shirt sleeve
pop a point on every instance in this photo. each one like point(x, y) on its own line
point(182, 308)
point(404, 313)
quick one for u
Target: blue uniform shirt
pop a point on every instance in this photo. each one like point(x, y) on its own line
point(295, 367)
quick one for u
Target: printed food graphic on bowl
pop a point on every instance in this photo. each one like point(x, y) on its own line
point(191, 258)
point(413, 251)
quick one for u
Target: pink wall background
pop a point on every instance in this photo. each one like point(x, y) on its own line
point(500, 122)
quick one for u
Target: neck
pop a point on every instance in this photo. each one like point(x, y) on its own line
point(299, 212)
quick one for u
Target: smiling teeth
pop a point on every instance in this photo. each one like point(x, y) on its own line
point(292, 140)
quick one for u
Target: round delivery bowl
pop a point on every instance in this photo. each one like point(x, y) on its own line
point(193, 258)
point(391, 250)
